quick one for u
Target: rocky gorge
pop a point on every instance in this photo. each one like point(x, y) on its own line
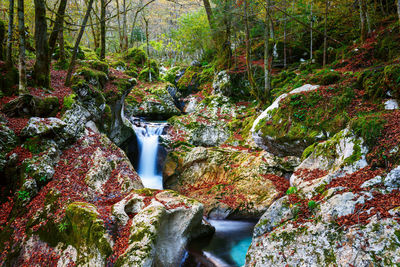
point(317, 169)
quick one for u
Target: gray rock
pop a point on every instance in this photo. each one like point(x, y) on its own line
point(43, 126)
point(222, 83)
point(392, 180)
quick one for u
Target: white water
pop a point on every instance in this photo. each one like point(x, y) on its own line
point(147, 136)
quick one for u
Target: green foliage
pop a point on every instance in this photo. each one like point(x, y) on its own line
point(69, 100)
point(33, 145)
point(312, 204)
point(369, 127)
point(23, 195)
point(63, 226)
point(137, 56)
point(291, 190)
point(170, 75)
point(326, 77)
point(192, 24)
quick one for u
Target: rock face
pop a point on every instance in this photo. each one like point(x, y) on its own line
point(151, 103)
point(340, 212)
point(229, 182)
point(277, 146)
point(162, 224)
point(207, 123)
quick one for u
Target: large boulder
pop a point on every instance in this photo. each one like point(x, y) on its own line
point(229, 182)
point(266, 135)
point(339, 211)
point(8, 140)
point(152, 103)
point(159, 225)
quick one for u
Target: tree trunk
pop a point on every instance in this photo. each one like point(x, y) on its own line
point(284, 38)
point(10, 32)
point(325, 30)
point(61, 43)
point(58, 24)
point(398, 8)
point(42, 64)
point(119, 26)
point(103, 30)
point(147, 47)
point(363, 21)
point(267, 82)
point(22, 65)
point(76, 47)
point(248, 49)
point(124, 27)
point(311, 30)
point(209, 13)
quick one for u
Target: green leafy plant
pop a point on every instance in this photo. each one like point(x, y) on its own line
point(23, 195)
point(62, 226)
point(312, 204)
point(291, 190)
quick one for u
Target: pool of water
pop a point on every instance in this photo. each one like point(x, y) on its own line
point(229, 245)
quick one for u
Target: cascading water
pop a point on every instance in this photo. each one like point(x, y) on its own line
point(147, 136)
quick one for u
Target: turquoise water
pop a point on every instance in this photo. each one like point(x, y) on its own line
point(238, 251)
point(231, 241)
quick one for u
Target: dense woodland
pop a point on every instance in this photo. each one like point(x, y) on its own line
point(280, 111)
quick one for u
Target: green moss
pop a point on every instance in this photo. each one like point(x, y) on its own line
point(137, 56)
point(99, 65)
point(369, 127)
point(326, 77)
point(308, 151)
point(144, 75)
point(170, 75)
point(88, 53)
point(189, 81)
point(69, 100)
point(93, 76)
point(85, 228)
point(356, 154)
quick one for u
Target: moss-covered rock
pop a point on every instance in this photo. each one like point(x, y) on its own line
point(93, 76)
point(144, 75)
point(29, 105)
point(137, 56)
point(153, 102)
point(326, 77)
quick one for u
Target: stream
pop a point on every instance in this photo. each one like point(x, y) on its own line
point(229, 244)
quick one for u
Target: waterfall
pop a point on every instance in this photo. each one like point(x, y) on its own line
point(147, 137)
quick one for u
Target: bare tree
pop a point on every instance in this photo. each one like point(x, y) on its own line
point(77, 42)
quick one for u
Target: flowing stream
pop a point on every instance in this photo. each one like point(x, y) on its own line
point(231, 240)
